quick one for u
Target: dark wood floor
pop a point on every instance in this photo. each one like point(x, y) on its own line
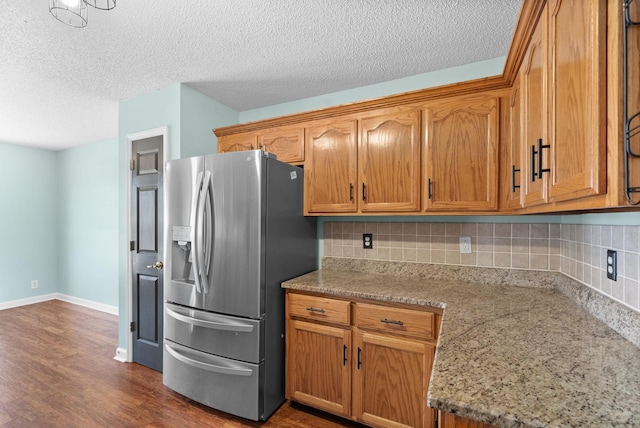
point(57, 370)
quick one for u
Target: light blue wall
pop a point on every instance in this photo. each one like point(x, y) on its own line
point(28, 215)
point(87, 227)
point(190, 116)
point(150, 111)
point(461, 73)
point(199, 114)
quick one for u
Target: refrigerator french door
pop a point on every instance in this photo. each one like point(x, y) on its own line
point(234, 231)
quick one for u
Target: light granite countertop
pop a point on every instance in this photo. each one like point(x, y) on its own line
point(511, 356)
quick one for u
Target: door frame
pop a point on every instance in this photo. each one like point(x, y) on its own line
point(155, 132)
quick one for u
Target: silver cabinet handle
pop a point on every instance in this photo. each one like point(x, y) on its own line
point(157, 265)
point(386, 321)
point(311, 309)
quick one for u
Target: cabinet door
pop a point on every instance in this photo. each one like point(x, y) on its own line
point(534, 118)
point(330, 168)
point(389, 162)
point(391, 378)
point(514, 170)
point(577, 93)
point(319, 366)
point(287, 143)
point(461, 156)
point(447, 420)
point(237, 143)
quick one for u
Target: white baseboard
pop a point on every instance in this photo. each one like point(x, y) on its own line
point(28, 301)
point(65, 298)
point(121, 355)
point(88, 304)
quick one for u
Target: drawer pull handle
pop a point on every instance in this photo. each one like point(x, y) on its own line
point(386, 321)
point(312, 309)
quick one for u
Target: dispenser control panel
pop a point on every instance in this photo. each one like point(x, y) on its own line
point(182, 233)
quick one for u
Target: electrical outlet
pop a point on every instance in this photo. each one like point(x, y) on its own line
point(34, 283)
point(465, 245)
point(367, 241)
point(612, 265)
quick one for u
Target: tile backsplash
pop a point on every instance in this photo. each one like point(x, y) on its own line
point(578, 251)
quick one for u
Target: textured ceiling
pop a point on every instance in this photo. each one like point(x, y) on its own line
point(60, 86)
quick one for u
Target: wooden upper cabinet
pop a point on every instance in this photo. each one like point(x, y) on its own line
point(577, 94)
point(461, 155)
point(330, 168)
point(287, 143)
point(237, 142)
point(534, 118)
point(389, 162)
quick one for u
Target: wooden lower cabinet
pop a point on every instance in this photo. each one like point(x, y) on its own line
point(317, 371)
point(448, 420)
point(391, 380)
point(377, 375)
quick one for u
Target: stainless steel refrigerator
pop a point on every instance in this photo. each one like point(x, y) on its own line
point(234, 230)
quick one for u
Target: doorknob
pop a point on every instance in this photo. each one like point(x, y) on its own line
point(157, 265)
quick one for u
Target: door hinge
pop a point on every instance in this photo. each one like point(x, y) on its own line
point(132, 326)
point(132, 245)
point(132, 164)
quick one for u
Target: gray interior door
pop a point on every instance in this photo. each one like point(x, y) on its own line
point(147, 251)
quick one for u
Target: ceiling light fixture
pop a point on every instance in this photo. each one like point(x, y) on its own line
point(75, 12)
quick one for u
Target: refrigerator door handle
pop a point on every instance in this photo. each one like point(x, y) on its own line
point(229, 325)
point(196, 233)
point(203, 233)
point(235, 371)
point(209, 230)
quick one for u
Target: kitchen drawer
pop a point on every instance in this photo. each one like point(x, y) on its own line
point(395, 320)
point(222, 335)
point(319, 308)
point(225, 384)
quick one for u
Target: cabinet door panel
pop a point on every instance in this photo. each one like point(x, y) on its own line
point(513, 169)
point(448, 420)
point(286, 143)
point(533, 84)
point(319, 366)
point(577, 92)
point(237, 143)
point(389, 163)
point(461, 155)
point(391, 381)
point(330, 168)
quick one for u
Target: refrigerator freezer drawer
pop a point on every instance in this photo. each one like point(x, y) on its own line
point(222, 335)
point(223, 384)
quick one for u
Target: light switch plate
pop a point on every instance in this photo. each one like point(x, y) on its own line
point(465, 245)
point(612, 265)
